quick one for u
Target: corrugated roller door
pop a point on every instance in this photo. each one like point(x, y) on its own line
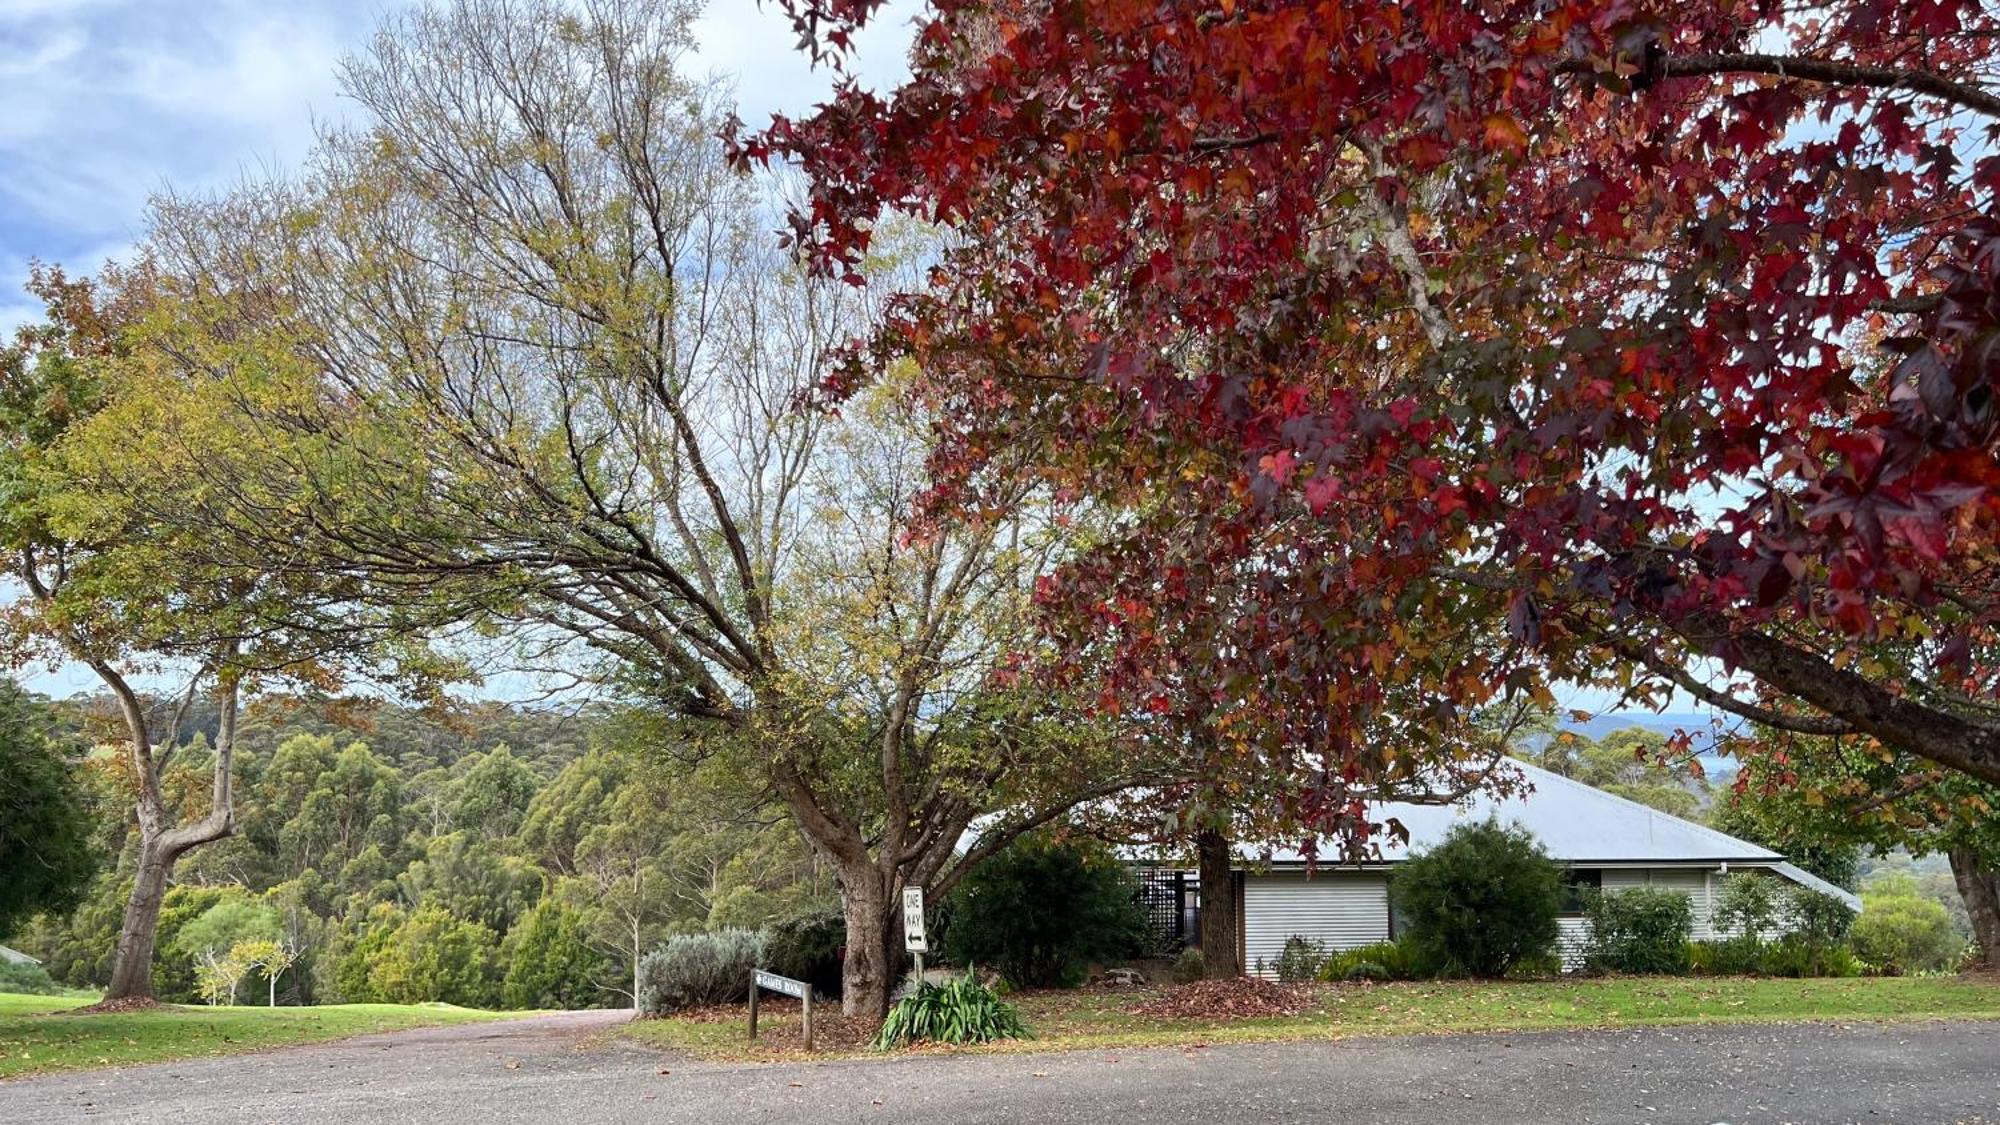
point(1340, 910)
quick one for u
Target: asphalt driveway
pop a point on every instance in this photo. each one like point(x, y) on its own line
point(540, 1070)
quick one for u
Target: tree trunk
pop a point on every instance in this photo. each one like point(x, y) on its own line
point(1214, 859)
point(1979, 886)
point(132, 967)
point(272, 980)
point(160, 843)
point(866, 978)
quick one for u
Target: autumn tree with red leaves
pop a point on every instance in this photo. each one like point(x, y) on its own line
point(1658, 340)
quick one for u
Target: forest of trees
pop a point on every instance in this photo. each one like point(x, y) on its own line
point(494, 856)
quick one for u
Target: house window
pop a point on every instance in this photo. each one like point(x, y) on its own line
point(1577, 886)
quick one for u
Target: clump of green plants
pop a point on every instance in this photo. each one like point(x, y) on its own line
point(1188, 967)
point(1300, 960)
point(1485, 898)
point(1798, 955)
point(962, 1011)
point(693, 970)
point(1639, 930)
point(1751, 908)
point(1728, 957)
point(1384, 960)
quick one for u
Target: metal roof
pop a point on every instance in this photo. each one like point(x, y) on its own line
point(16, 957)
point(1577, 823)
point(1806, 878)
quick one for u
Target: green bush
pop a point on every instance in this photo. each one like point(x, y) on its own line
point(549, 964)
point(1747, 905)
point(1796, 955)
point(1818, 916)
point(46, 848)
point(1484, 898)
point(1384, 960)
point(1728, 957)
point(693, 970)
point(963, 1011)
point(1300, 960)
point(809, 948)
point(1042, 909)
point(433, 956)
point(1639, 930)
point(1903, 933)
point(28, 977)
point(1538, 966)
point(1189, 967)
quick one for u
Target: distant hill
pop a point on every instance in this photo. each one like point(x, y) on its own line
point(1699, 725)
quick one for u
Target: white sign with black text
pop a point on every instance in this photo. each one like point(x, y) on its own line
point(913, 921)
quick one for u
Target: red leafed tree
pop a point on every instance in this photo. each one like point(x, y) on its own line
point(1657, 340)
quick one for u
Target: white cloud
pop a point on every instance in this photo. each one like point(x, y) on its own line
point(105, 102)
point(755, 42)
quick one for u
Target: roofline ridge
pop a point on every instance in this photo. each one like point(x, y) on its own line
point(1592, 789)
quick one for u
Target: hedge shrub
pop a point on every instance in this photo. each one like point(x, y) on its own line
point(1483, 899)
point(550, 964)
point(1729, 957)
point(694, 970)
point(1639, 930)
point(1189, 967)
point(1042, 909)
point(809, 947)
point(1906, 934)
point(1798, 955)
point(1747, 905)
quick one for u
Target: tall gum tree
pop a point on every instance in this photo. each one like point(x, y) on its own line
point(555, 371)
point(1559, 314)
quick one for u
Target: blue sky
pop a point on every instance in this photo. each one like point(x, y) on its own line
point(104, 102)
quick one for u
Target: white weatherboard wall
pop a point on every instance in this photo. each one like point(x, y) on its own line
point(1344, 909)
point(1338, 909)
point(1695, 882)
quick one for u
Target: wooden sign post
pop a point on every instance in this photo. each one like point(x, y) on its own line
point(760, 979)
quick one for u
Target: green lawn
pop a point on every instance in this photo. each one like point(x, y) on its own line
point(1098, 1018)
point(38, 1034)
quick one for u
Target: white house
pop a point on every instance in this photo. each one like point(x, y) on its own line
point(1604, 840)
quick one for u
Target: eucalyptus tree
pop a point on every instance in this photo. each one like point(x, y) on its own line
point(549, 366)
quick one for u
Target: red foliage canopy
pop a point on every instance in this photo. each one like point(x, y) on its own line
point(1438, 349)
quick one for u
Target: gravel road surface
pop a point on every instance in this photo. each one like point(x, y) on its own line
point(543, 1070)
